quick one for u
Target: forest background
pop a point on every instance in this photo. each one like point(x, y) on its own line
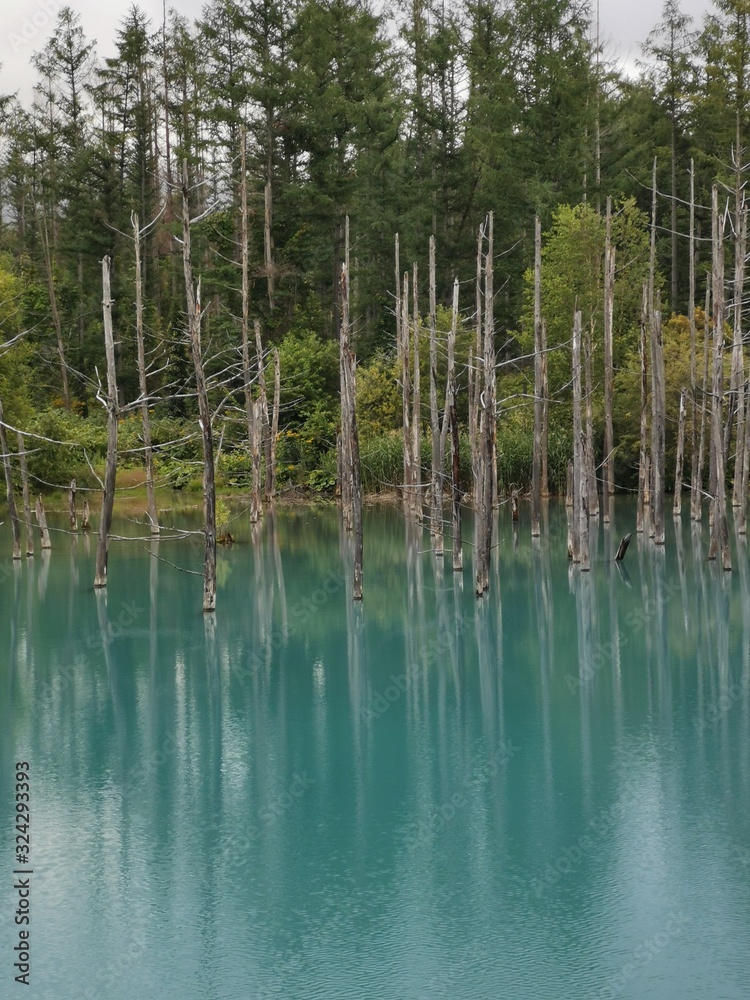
point(419, 121)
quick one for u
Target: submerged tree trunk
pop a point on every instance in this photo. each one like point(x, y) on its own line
point(720, 532)
point(72, 516)
point(252, 414)
point(608, 470)
point(193, 298)
point(148, 456)
point(657, 426)
point(642, 508)
point(536, 469)
point(406, 396)
point(41, 520)
point(416, 417)
point(8, 469)
point(677, 500)
point(738, 365)
point(487, 428)
point(26, 495)
point(450, 417)
point(113, 412)
point(580, 465)
point(436, 481)
point(695, 483)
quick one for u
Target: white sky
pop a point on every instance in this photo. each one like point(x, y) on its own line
point(26, 24)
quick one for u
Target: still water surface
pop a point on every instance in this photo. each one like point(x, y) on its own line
point(545, 794)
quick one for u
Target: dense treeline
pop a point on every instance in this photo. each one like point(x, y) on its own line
point(417, 122)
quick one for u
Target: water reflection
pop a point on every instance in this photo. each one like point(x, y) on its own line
point(498, 797)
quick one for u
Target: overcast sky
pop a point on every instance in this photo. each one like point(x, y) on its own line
point(26, 24)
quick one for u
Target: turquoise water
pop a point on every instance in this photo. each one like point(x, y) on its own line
point(545, 794)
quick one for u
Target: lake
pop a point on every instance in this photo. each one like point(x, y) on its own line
point(542, 794)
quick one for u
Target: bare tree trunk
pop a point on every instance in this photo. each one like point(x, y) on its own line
point(490, 378)
point(677, 500)
point(416, 420)
point(26, 495)
point(268, 241)
point(269, 452)
point(406, 397)
point(742, 526)
point(252, 411)
point(657, 426)
point(72, 516)
point(41, 520)
point(113, 412)
point(536, 468)
point(608, 471)
point(436, 482)
point(580, 470)
point(738, 365)
point(642, 511)
point(399, 337)
point(573, 552)
point(256, 424)
point(545, 414)
point(209, 483)
point(475, 370)
point(702, 441)
point(450, 418)
point(350, 465)
point(487, 424)
point(695, 489)
point(652, 251)
point(8, 469)
point(86, 517)
point(720, 532)
point(275, 419)
point(592, 487)
point(148, 457)
point(346, 458)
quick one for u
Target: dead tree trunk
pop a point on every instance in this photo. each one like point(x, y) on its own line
point(545, 414)
point(72, 516)
point(608, 471)
point(487, 423)
point(399, 341)
point(26, 495)
point(742, 527)
point(86, 517)
point(275, 420)
point(41, 520)
point(580, 470)
point(592, 487)
point(677, 500)
point(720, 532)
point(436, 481)
point(572, 527)
point(738, 365)
point(193, 298)
point(148, 456)
point(113, 412)
point(406, 397)
point(252, 414)
point(702, 436)
point(350, 465)
point(657, 426)
point(8, 469)
point(642, 508)
point(536, 468)
point(450, 417)
point(416, 439)
point(345, 485)
point(695, 487)
point(268, 241)
point(268, 449)
point(490, 378)
point(475, 371)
